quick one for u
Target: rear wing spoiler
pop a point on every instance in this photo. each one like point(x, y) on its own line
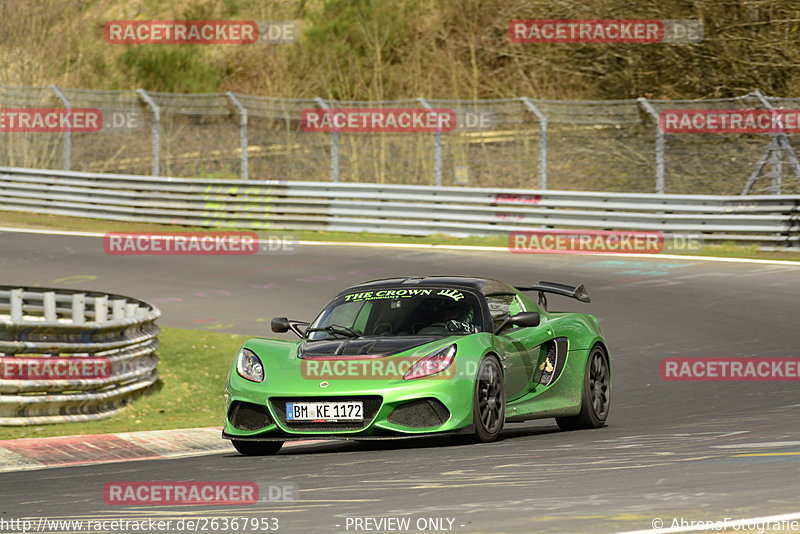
point(577, 293)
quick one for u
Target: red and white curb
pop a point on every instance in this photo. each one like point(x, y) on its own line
point(40, 453)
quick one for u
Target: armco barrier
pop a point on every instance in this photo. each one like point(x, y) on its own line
point(54, 325)
point(397, 209)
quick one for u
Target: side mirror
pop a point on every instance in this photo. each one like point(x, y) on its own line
point(525, 319)
point(280, 325)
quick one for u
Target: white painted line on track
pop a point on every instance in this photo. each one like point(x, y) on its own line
point(477, 248)
point(430, 246)
point(49, 231)
point(767, 271)
point(764, 445)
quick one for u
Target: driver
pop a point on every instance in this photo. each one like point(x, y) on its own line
point(456, 311)
point(450, 316)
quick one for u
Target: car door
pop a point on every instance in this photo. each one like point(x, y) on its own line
point(521, 347)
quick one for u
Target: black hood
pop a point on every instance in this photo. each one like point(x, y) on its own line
point(374, 346)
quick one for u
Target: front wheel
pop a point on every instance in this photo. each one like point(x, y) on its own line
point(596, 398)
point(257, 448)
point(489, 404)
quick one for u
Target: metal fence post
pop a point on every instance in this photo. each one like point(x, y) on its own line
point(783, 144)
point(777, 173)
point(244, 170)
point(67, 133)
point(101, 309)
point(650, 110)
point(49, 304)
point(334, 145)
point(17, 306)
point(437, 149)
point(78, 308)
point(533, 108)
point(155, 166)
point(759, 166)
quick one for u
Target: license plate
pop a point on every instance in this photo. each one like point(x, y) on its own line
point(325, 412)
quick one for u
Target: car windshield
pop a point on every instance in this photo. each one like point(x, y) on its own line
point(398, 312)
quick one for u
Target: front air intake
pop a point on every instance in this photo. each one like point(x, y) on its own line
point(248, 417)
point(421, 413)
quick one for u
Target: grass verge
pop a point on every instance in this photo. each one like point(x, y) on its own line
point(57, 222)
point(192, 372)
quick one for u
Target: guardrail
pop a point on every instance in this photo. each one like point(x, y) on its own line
point(49, 337)
point(395, 209)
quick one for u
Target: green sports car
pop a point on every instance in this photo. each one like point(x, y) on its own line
point(405, 357)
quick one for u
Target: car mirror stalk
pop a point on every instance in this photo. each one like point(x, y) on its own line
point(281, 325)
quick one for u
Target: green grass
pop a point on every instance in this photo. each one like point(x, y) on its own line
point(192, 372)
point(32, 220)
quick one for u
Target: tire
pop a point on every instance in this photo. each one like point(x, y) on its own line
point(596, 398)
point(489, 401)
point(257, 448)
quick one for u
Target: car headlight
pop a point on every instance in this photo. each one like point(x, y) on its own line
point(432, 363)
point(249, 366)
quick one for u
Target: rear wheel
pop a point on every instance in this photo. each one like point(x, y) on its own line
point(596, 398)
point(257, 448)
point(489, 405)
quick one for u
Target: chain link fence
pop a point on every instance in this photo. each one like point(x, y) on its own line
point(613, 145)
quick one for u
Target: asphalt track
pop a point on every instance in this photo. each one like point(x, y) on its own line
point(671, 450)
